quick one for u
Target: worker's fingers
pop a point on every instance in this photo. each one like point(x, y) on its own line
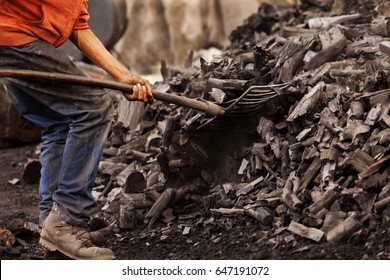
point(135, 94)
point(141, 92)
point(145, 94)
point(145, 91)
point(150, 93)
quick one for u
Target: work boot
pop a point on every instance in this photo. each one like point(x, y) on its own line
point(72, 241)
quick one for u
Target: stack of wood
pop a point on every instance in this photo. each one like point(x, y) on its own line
point(313, 161)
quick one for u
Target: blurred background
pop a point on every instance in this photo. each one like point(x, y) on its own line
point(141, 33)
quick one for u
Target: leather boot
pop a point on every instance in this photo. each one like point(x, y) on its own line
point(74, 242)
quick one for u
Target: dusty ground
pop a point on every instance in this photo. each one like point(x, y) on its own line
point(210, 237)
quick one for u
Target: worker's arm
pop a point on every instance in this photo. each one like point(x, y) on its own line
point(93, 48)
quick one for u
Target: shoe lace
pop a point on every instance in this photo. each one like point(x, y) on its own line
point(83, 235)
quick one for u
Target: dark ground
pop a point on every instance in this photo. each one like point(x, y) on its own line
point(210, 237)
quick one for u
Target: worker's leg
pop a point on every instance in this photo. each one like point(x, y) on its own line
point(79, 136)
point(56, 127)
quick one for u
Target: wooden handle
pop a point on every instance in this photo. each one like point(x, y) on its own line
point(197, 104)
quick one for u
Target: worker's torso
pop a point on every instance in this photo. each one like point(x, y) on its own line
point(22, 21)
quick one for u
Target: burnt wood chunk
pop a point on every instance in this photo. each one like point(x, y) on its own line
point(360, 160)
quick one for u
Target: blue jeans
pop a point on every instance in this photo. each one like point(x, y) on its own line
point(75, 122)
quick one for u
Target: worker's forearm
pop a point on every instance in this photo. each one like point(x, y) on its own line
point(93, 48)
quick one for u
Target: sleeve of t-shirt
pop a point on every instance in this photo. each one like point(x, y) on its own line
point(82, 22)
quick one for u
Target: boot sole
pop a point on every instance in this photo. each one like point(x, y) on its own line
point(51, 247)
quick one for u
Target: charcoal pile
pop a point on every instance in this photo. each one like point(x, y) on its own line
point(305, 153)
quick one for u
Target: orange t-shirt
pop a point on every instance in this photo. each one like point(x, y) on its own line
point(23, 22)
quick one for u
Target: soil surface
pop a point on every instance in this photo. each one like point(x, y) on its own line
point(199, 235)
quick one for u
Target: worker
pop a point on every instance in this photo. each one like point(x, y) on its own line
point(75, 120)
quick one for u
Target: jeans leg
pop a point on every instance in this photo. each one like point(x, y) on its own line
point(82, 153)
point(52, 149)
point(74, 135)
point(56, 127)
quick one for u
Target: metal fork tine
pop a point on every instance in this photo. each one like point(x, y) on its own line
point(248, 103)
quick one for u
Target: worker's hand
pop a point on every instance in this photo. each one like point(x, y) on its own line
point(142, 90)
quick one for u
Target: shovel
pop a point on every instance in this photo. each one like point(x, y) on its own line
point(248, 102)
point(197, 104)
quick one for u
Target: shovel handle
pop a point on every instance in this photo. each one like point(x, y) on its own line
point(197, 104)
